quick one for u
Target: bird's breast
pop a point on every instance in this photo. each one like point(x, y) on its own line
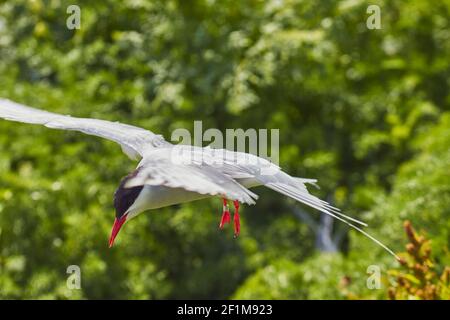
point(154, 197)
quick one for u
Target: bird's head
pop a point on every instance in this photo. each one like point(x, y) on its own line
point(124, 199)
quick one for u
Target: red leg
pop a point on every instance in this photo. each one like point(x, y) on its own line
point(225, 215)
point(237, 222)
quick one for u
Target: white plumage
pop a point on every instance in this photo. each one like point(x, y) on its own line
point(170, 174)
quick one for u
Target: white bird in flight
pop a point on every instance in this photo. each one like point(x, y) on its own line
point(170, 174)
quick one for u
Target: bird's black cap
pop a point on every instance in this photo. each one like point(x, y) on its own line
point(125, 197)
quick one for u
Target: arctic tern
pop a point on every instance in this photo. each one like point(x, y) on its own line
point(170, 174)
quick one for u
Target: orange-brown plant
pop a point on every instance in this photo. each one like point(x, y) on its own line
point(418, 277)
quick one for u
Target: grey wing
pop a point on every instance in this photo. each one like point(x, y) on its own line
point(203, 179)
point(248, 166)
point(133, 140)
point(274, 178)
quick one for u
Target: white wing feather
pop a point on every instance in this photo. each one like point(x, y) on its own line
point(261, 172)
point(160, 168)
point(133, 140)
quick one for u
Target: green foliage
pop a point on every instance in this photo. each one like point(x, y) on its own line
point(285, 279)
point(420, 193)
point(364, 111)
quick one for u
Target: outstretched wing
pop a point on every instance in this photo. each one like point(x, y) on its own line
point(133, 140)
point(160, 168)
point(258, 171)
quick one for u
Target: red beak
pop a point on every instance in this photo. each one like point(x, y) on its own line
point(118, 223)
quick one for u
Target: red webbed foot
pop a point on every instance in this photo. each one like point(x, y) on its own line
point(236, 219)
point(226, 218)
